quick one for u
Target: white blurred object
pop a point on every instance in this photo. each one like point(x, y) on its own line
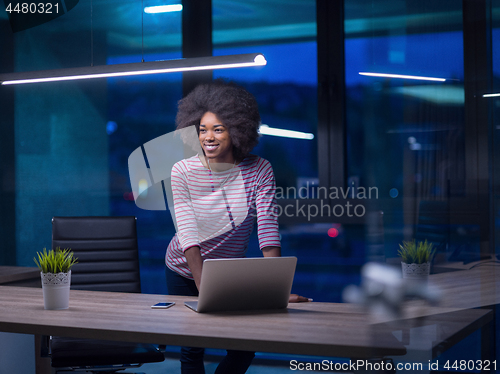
point(383, 291)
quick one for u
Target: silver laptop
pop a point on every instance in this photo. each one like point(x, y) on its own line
point(245, 284)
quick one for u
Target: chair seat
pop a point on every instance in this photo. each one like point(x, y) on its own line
point(86, 352)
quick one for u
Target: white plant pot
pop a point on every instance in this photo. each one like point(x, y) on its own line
point(416, 271)
point(56, 290)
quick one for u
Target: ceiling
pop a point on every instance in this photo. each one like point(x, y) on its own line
point(126, 27)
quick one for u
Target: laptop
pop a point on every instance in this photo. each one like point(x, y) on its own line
point(244, 284)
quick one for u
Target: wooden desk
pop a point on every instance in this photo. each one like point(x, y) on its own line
point(474, 288)
point(323, 329)
point(462, 293)
point(462, 289)
point(20, 276)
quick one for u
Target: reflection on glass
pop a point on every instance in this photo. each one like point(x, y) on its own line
point(384, 113)
point(401, 76)
point(495, 105)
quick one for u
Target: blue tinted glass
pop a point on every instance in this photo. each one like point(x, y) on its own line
point(287, 100)
point(405, 129)
point(142, 108)
point(495, 105)
point(73, 139)
point(286, 91)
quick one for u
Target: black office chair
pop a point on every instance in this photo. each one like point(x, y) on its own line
point(108, 260)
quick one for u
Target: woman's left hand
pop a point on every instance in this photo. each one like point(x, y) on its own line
point(294, 298)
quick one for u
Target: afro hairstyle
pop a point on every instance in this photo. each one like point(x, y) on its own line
point(234, 106)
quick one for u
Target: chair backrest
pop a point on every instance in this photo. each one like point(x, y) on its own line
point(107, 252)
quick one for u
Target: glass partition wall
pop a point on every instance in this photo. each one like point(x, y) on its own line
point(407, 122)
point(420, 128)
point(494, 105)
point(65, 145)
point(405, 105)
point(286, 91)
point(494, 102)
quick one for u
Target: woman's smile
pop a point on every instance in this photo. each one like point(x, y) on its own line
point(211, 147)
point(215, 139)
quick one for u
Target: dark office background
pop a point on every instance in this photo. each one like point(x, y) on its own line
point(429, 148)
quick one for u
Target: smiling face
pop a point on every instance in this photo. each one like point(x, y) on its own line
point(215, 140)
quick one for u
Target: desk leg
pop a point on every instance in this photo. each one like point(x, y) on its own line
point(42, 364)
point(418, 343)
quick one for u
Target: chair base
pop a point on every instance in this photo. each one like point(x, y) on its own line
point(100, 355)
point(97, 370)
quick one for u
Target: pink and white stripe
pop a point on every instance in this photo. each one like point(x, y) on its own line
point(220, 221)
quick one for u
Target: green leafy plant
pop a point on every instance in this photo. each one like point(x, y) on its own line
point(416, 252)
point(55, 260)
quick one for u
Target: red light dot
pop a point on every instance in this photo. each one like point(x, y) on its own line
point(333, 232)
point(128, 196)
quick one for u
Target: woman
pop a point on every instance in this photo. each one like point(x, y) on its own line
point(217, 196)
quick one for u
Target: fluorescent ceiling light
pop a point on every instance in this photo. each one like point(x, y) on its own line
point(266, 130)
point(138, 68)
point(163, 8)
point(403, 76)
point(491, 95)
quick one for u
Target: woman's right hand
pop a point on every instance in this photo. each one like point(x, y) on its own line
point(195, 263)
point(294, 298)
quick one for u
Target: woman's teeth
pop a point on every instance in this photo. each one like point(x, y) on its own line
point(210, 147)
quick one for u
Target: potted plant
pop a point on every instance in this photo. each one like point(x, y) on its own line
point(55, 267)
point(416, 258)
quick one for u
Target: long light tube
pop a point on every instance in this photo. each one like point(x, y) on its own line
point(491, 95)
point(266, 130)
point(399, 76)
point(163, 8)
point(139, 68)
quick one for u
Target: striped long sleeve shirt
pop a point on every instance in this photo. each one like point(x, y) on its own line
point(216, 211)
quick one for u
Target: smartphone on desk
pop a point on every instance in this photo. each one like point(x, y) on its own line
point(162, 305)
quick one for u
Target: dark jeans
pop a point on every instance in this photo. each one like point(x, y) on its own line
point(235, 362)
